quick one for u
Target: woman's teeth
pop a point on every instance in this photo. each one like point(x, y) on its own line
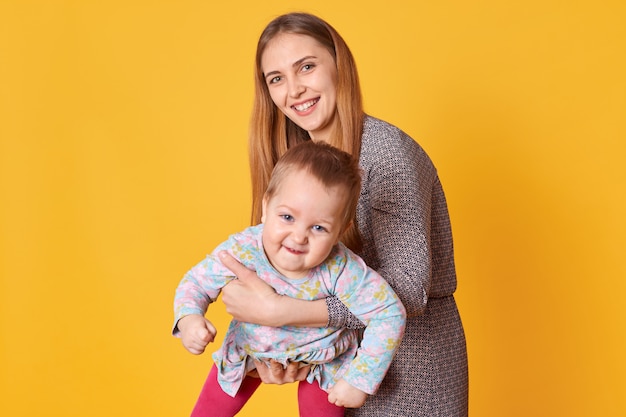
point(304, 106)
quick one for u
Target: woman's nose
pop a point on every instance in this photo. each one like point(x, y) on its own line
point(295, 88)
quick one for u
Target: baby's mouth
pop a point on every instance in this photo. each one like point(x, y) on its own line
point(294, 251)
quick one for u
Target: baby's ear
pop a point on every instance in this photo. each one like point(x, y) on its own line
point(345, 229)
point(264, 207)
point(347, 226)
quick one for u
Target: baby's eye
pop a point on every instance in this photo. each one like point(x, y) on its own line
point(319, 228)
point(287, 217)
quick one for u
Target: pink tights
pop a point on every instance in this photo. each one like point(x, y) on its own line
point(213, 402)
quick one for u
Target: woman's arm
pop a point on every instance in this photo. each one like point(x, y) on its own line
point(269, 309)
point(250, 299)
point(398, 220)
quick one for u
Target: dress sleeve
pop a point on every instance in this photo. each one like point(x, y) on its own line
point(401, 232)
point(400, 188)
point(340, 316)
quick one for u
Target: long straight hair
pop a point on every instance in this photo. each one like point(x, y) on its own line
point(272, 133)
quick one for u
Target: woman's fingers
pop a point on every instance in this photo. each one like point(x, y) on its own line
point(235, 266)
point(274, 372)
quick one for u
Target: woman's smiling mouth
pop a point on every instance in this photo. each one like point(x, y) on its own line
point(306, 105)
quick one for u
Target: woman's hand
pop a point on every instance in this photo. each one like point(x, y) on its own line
point(275, 373)
point(249, 298)
point(252, 300)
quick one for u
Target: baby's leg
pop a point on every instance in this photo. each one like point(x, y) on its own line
point(213, 402)
point(313, 402)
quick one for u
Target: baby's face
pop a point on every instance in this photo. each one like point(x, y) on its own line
point(303, 221)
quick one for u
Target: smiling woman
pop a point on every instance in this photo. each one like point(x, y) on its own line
point(307, 89)
point(302, 80)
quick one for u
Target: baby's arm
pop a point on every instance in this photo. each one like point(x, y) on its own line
point(373, 301)
point(199, 287)
point(343, 394)
point(196, 332)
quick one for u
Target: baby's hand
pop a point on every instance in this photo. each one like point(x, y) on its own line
point(345, 395)
point(196, 332)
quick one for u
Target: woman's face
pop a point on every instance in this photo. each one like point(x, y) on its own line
point(301, 76)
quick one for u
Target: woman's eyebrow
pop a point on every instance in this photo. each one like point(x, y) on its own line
point(301, 60)
point(295, 64)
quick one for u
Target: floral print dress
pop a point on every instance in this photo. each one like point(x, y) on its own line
point(334, 353)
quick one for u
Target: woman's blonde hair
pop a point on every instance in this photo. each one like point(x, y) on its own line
point(272, 133)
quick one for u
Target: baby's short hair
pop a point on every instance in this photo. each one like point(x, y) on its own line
point(331, 166)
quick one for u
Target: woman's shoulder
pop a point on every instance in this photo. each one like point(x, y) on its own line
point(377, 132)
point(382, 139)
point(374, 126)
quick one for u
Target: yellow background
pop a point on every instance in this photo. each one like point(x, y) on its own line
point(123, 128)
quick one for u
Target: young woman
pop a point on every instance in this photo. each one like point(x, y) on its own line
point(307, 88)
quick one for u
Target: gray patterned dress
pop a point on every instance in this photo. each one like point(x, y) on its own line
point(405, 227)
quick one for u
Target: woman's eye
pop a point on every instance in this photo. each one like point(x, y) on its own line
point(307, 67)
point(274, 80)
